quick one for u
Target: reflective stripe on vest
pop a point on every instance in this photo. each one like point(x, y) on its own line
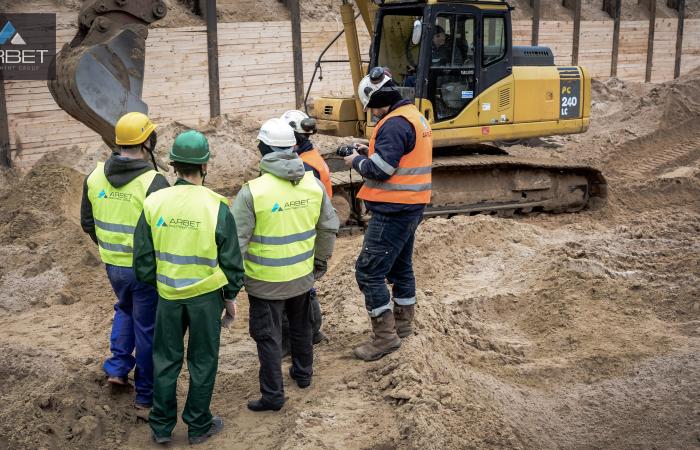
point(315, 160)
point(183, 223)
point(116, 212)
point(282, 246)
point(411, 181)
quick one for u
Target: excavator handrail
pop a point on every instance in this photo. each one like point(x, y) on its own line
point(319, 61)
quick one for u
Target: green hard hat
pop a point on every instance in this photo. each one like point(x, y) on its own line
point(190, 147)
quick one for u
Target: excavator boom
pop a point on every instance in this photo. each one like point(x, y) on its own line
point(99, 74)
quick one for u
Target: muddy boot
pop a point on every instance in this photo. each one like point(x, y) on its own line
point(384, 340)
point(403, 316)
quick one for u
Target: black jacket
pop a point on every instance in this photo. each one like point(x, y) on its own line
point(394, 139)
point(119, 172)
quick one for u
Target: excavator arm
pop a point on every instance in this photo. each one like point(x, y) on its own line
point(99, 74)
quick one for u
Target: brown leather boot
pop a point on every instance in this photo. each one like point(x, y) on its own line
point(384, 340)
point(403, 316)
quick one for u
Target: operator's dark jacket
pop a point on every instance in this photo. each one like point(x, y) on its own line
point(119, 171)
point(228, 252)
point(394, 139)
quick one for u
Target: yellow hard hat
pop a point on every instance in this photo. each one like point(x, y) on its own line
point(133, 128)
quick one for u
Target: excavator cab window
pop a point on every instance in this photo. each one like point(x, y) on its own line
point(451, 76)
point(494, 40)
point(396, 51)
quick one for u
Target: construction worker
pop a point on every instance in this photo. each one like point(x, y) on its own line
point(113, 196)
point(397, 187)
point(286, 229)
point(304, 127)
point(185, 244)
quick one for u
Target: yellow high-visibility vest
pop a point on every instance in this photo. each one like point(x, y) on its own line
point(282, 246)
point(116, 210)
point(183, 222)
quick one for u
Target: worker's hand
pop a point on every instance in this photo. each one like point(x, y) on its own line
point(350, 158)
point(230, 314)
point(320, 268)
point(362, 149)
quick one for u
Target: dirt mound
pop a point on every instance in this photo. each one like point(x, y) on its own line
point(46, 258)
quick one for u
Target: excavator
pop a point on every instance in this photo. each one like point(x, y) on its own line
point(455, 59)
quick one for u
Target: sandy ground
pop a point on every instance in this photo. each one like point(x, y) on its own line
point(545, 331)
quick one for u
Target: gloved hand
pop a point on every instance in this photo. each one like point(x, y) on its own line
point(230, 314)
point(320, 268)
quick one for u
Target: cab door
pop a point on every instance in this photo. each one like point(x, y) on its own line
point(495, 101)
point(450, 64)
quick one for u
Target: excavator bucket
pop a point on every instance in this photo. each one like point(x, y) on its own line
point(99, 74)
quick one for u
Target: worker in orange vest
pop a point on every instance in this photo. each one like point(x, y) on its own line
point(304, 127)
point(397, 188)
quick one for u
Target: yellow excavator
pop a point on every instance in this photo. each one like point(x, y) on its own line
point(456, 60)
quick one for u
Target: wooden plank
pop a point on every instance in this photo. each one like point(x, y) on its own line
point(616, 38)
point(5, 159)
point(535, 21)
point(577, 33)
point(679, 39)
point(650, 40)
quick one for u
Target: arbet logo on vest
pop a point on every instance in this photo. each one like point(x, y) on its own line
point(294, 204)
point(182, 224)
point(122, 197)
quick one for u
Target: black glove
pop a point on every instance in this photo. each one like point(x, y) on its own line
point(320, 268)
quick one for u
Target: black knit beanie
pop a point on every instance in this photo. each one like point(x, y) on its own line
point(387, 95)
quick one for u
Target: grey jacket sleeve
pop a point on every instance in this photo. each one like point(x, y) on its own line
point(326, 228)
point(244, 215)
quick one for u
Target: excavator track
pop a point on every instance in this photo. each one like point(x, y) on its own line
point(499, 184)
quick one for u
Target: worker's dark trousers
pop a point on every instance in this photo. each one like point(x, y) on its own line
point(387, 254)
point(316, 322)
point(202, 315)
point(132, 331)
point(266, 330)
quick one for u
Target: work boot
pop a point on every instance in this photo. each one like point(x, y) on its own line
point(260, 405)
point(403, 316)
point(217, 424)
point(319, 336)
point(384, 340)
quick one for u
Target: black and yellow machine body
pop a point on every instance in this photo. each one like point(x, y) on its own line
point(456, 60)
point(470, 83)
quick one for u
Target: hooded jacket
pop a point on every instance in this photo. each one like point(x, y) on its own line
point(119, 171)
point(289, 166)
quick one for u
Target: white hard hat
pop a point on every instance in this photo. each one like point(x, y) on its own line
point(371, 83)
point(277, 133)
point(299, 121)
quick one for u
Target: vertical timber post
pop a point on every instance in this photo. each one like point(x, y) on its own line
point(616, 38)
point(679, 39)
point(650, 41)
point(5, 159)
point(577, 33)
point(535, 21)
point(297, 53)
point(213, 60)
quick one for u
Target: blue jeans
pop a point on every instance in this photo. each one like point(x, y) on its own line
point(133, 326)
point(387, 254)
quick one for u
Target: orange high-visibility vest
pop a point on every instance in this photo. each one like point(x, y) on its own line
point(411, 181)
point(314, 159)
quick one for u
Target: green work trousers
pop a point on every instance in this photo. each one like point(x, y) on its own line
point(202, 315)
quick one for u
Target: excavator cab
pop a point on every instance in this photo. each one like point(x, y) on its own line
point(444, 54)
point(462, 45)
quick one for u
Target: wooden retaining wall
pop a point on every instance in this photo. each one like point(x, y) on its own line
point(256, 70)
